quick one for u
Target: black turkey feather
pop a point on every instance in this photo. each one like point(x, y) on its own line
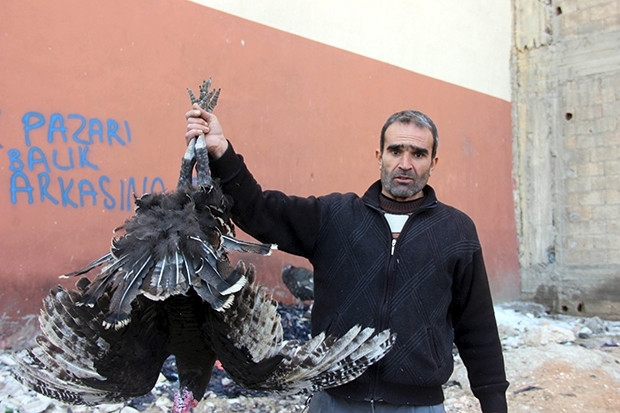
point(167, 287)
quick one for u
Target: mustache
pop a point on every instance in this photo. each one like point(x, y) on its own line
point(406, 174)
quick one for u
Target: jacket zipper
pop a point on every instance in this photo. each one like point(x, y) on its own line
point(384, 302)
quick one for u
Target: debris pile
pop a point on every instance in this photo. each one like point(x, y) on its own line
point(571, 363)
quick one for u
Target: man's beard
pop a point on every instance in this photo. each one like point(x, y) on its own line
point(402, 191)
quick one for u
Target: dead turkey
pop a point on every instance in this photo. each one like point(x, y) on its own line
point(167, 288)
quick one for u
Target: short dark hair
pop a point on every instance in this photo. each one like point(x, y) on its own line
point(411, 116)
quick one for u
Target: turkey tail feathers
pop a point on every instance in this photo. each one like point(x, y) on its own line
point(338, 368)
point(63, 360)
point(248, 340)
point(131, 275)
point(78, 361)
point(233, 244)
point(127, 288)
point(97, 263)
point(330, 361)
point(133, 269)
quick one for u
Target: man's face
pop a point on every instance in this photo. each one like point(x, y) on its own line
point(406, 161)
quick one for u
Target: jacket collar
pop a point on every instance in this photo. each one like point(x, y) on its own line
point(371, 197)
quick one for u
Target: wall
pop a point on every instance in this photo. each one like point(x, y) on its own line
point(93, 97)
point(567, 151)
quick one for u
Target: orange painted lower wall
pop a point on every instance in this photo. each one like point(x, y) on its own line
point(91, 111)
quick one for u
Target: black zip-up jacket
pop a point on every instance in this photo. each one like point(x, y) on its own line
point(429, 287)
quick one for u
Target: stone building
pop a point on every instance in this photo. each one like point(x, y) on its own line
point(566, 111)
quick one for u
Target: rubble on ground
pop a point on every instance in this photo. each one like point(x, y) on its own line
point(570, 363)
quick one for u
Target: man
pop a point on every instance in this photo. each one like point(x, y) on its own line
point(394, 258)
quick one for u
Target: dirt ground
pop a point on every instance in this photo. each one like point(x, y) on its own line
point(553, 364)
point(552, 378)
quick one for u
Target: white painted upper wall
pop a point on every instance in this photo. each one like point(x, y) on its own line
point(463, 42)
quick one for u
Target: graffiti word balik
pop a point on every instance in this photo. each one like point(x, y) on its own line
point(55, 148)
